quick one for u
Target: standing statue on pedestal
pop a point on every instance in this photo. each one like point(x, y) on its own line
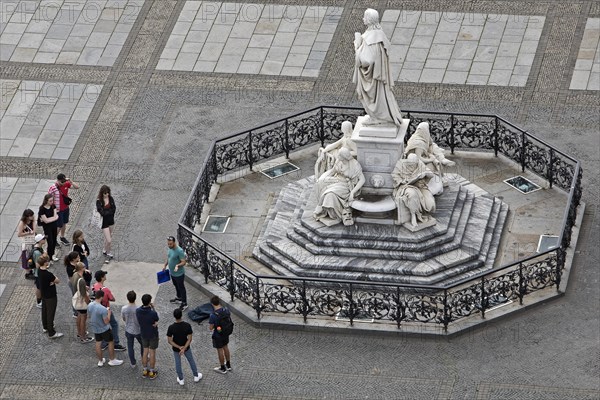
point(328, 155)
point(411, 177)
point(337, 188)
point(372, 73)
point(421, 144)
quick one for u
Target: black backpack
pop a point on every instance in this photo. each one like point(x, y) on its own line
point(224, 322)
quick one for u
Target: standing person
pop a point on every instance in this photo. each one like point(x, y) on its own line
point(99, 324)
point(180, 338)
point(26, 231)
point(48, 284)
point(105, 205)
point(132, 327)
point(71, 261)
point(148, 319)
point(221, 326)
point(38, 250)
point(78, 283)
point(176, 259)
point(81, 247)
point(47, 218)
point(60, 191)
point(108, 297)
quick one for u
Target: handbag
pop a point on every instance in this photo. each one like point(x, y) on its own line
point(78, 301)
point(96, 219)
point(163, 276)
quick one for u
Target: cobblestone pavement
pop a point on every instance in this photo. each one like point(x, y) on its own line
point(146, 136)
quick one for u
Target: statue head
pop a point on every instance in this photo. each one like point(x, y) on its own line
point(347, 128)
point(377, 181)
point(412, 158)
point(344, 154)
point(371, 17)
point(423, 130)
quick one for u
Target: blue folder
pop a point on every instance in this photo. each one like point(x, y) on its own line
point(163, 276)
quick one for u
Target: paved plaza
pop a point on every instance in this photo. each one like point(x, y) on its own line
point(131, 93)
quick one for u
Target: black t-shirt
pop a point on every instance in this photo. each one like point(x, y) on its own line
point(81, 249)
point(45, 278)
point(49, 213)
point(179, 331)
point(70, 270)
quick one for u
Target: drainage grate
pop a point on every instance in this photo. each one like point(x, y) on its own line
point(215, 224)
point(523, 185)
point(280, 170)
point(343, 315)
point(546, 243)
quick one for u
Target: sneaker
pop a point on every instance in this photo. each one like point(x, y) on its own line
point(86, 335)
point(106, 260)
point(56, 335)
point(175, 300)
point(198, 377)
point(115, 362)
point(54, 258)
point(183, 307)
point(64, 241)
point(133, 366)
point(44, 330)
point(29, 275)
point(152, 374)
point(75, 314)
point(180, 381)
point(86, 339)
point(220, 370)
point(38, 305)
point(228, 366)
point(101, 362)
point(104, 347)
point(110, 256)
point(145, 373)
point(119, 347)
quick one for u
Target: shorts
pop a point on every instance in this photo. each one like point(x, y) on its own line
point(151, 343)
point(82, 312)
point(106, 336)
point(37, 282)
point(220, 341)
point(63, 217)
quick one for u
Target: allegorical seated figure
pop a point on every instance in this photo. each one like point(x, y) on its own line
point(421, 144)
point(411, 178)
point(337, 188)
point(372, 73)
point(328, 154)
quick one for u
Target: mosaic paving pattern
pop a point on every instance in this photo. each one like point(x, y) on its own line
point(250, 38)
point(43, 119)
point(78, 32)
point(462, 48)
point(587, 67)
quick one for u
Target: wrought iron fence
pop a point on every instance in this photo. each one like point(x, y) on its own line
point(394, 303)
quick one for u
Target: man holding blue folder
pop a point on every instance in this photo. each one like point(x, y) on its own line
point(176, 260)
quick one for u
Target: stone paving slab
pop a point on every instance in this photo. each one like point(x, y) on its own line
point(586, 75)
point(462, 48)
point(264, 39)
point(74, 32)
point(43, 119)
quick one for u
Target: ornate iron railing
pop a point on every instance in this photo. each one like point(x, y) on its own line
point(395, 303)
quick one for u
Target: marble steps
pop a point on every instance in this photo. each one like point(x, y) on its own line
point(395, 247)
point(445, 204)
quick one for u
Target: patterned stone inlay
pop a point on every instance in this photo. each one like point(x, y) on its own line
point(587, 67)
point(264, 39)
point(462, 48)
point(43, 119)
point(81, 32)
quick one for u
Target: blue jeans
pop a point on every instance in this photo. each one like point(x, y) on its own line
point(130, 350)
point(190, 357)
point(114, 325)
point(178, 282)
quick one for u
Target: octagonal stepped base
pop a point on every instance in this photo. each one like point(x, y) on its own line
point(464, 241)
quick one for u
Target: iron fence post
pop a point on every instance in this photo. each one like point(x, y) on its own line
point(446, 311)
point(495, 136)
point(522, 151)
point(483, 298)
point(452, 134)
point(250, 156)
point(560, 260)
point(304, 301)
point(257, 297)
point(231, 280)
point(322, 127)
point(205, 269)
point(398, 305)
point(522, 287)
point(287, 139)
point(551, 168)
point(351, 307)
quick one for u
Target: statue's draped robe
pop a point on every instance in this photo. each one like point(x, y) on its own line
point(373, 78)
point(415, 195)
point(334, 190)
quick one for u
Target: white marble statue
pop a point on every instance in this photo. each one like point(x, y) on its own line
point(411, 190)
point(328, 154)
point(337, 188)
point(372, 73)
point(421, 144)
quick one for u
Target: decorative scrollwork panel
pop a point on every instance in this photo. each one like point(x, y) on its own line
point(541, 274)
point(509, 142)
point(473, 134)
point(439, 127)
point(332, 122)
point(231, 155)
point(537, 157)
point(304, 131)
point(268, 142)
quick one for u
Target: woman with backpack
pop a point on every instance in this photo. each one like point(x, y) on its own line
point(47, 218)
point(26, 232)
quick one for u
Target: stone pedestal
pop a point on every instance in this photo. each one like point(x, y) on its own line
point(379, 147)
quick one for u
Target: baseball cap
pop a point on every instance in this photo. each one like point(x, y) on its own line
point(99, 275)
point(39, 237)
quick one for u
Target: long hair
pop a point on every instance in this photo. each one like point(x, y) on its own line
point(103, 189)
point(26, 214)
point(77, 235)
point(46, 198)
